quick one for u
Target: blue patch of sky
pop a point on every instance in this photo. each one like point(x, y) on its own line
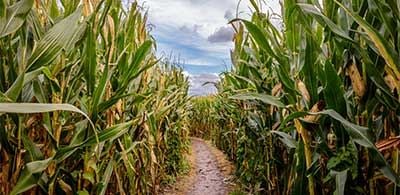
point(196, 32)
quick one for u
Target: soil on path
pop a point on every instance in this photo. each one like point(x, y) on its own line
point(209, 179)
point(210, 173)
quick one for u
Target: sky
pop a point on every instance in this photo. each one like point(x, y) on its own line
point(198, 34)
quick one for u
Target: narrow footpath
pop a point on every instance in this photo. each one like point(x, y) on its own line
point(209, 179)
point(210, 173)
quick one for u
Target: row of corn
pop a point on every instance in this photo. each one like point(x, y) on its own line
point(311, 105)
point(85, 106)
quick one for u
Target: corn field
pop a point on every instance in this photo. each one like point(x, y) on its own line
point(312, 106)
point(86, 107)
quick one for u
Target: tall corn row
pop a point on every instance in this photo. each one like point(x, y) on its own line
point(200, 125)
point(83, 106)
point(314, 106)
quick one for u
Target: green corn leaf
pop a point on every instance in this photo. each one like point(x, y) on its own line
point(241, 79)
point(300, 183)
point(33, 151)
point(385, 48)
point(106, 177)
point(142, 69)
point(100, 90)
point(286, 139)
point(65, 152)
point(292, 116)
point(136, 61)
point(62, 36)
point(259, 38)
point(322, 19)
point(30, 108)
point(257, 96)
point(3, 8)
point(29, 178)
point(384, 166)
point(90, 58)
point(32, 75)
point(4, 98)
point(12, 18)
point(113, 100)
point(333, 91)
point(15, 90)
point(254, 4)
point(362, 136)
point(341, 178)
point(80, 131)
point(54, 10)
point(110, 134)
point(378, 80)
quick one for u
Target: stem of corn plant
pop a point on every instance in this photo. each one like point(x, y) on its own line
point(395, 157)
point(307, 152)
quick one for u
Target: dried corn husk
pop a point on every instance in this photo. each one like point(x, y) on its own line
point(277, 88)
point(303, 90)
point(356, 80)
point(390, 82)
point(319, 106)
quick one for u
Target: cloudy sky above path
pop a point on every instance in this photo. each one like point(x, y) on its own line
point(196, 31)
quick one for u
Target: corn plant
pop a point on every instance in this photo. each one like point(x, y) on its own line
point(313, 108)
point(200, 125)
point(85, 106)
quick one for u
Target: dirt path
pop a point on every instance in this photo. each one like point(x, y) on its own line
point(209, 179)
point(210, 173)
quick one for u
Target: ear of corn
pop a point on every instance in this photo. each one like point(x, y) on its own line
point(85, 105)
point(333, 68)
point(356, 80)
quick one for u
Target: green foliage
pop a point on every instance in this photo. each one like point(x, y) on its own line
point(86, 108)
point(312, 108)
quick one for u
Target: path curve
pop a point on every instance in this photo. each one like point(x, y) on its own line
point(209, 179)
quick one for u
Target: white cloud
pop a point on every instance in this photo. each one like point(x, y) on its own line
point(208, 13)
point(197, 30)
point(229, 15)
point(202, 84)
point(190, 23)
point(223, 34)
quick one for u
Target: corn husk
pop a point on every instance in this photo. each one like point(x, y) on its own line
point(303, 90)
point(277, 88)
point(319, 106)
point(356, 80)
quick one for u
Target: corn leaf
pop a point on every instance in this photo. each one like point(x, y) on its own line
point(3, 8)
point(340, 178)
point(30, 108)
point(385, 48)
point(286, 139)
point(12, 18)
point(109, 134)
point(29, 177)
point(362, 136)
point(323, 20)
point(62, 36)
point(15, 90)
point(106, 177)
point(261, 97)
